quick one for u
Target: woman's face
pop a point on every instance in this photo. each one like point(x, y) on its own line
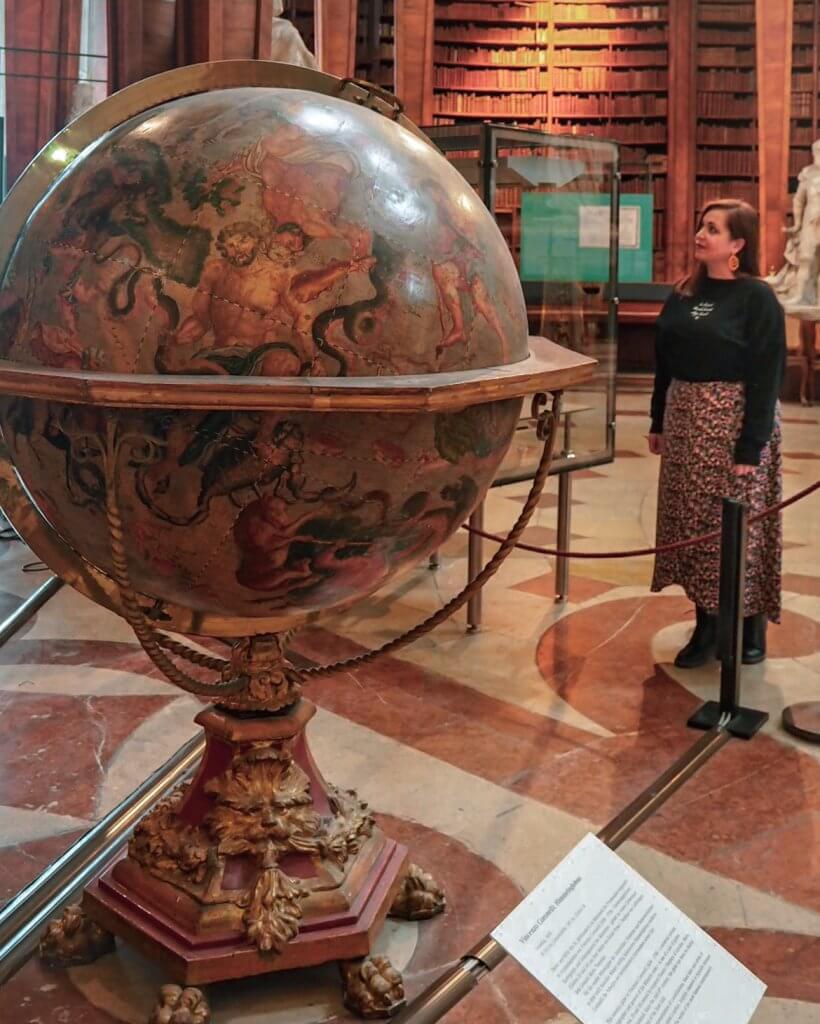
point(714, 244)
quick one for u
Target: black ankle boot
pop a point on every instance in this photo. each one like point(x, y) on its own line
point(703, 645)
point(754, 639)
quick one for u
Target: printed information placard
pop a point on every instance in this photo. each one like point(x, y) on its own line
point(613, 950)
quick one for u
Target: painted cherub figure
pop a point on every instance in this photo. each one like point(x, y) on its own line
point(254, 306)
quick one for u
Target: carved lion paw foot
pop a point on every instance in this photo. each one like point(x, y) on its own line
point(373, 988)
point(73, 939)
point(177, 1005)
point(420, 896)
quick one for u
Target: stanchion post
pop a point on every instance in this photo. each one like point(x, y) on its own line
point(733, 534)
point(739, 721)
point(474, 559)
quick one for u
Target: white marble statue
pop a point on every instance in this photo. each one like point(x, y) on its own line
point(287, 45)
point(797, 283)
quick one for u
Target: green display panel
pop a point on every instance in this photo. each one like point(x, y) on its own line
point(565, 237)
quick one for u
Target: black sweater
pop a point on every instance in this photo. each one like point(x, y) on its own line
point(730, 330)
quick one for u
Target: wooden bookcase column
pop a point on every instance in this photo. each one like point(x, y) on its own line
point(336, 36)
point(414, 24)
point(774, 29)
point(680, 182)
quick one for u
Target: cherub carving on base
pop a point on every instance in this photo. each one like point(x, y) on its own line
point(177, 1005)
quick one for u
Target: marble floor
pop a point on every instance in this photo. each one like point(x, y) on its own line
point(491, 755)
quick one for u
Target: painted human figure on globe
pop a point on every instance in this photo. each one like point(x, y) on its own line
point(226, 234)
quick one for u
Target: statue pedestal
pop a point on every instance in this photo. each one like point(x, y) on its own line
point(808, 318)
point(258, 865)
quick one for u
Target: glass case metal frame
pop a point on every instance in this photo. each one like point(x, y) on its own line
point(488, 140)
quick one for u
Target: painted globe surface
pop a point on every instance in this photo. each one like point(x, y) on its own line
point(267, 232)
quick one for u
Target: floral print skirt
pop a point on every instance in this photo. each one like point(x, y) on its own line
point(701, 424)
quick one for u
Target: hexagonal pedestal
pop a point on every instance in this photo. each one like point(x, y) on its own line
point(220, 875)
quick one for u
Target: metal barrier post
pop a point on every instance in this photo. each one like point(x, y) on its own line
point(740, 721)
point(20, 616)
point(26, 915)
point(474, 559)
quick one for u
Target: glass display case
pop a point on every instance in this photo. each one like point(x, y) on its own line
point(556, 200)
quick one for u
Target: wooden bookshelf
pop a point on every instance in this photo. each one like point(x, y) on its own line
point(597, 69)
point(375, 43)
point(804, 122)
point(726, 162)
point(702, 87)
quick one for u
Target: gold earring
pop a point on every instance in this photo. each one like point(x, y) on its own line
point(734, 263)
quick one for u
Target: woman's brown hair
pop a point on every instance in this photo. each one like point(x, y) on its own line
point(743, 223)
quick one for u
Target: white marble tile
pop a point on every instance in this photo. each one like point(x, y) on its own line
point(148, 746)
point(524, 838)
point(23, 825)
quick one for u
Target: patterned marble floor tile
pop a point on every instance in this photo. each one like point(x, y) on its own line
point(528, 733)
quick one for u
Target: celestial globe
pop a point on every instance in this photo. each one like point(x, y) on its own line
point(256, 233)
point(261, 349)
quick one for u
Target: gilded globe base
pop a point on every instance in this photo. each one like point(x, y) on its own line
point(258, 865)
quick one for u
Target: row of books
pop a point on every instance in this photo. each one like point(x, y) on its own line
point(802, 135)
point(803, 35)
point(631, 133)
point(724, 104)
point(738, 189)
point(569, 37)
point(545, 10)
point(522, 56)
point(720, 37)
point(533, 104)
point(798, 159)
point(803, 56)
point(640, 185)
point(730, 13)
point(714, 80)
point(802, 82)
point(727, 162)
point(633, 136)
point(558, 78)
point(802, 105)
point(725, 135)
point(725, 56)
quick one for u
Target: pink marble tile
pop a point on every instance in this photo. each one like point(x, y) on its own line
point(581, 588)
point(54, 748)
point(801, 584)
point(599, 660)
point(21, 864)
point(787, 963)
point(545, 536)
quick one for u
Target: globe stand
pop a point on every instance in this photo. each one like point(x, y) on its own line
point(258, 865)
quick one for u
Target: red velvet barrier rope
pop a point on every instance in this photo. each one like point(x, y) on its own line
point(637, 552)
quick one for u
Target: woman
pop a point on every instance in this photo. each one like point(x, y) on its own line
point(720, 353)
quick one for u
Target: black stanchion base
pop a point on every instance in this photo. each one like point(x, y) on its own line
point(744, 723)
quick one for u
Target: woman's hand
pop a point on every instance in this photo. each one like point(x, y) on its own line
point(741, 470)
point(655, 443)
